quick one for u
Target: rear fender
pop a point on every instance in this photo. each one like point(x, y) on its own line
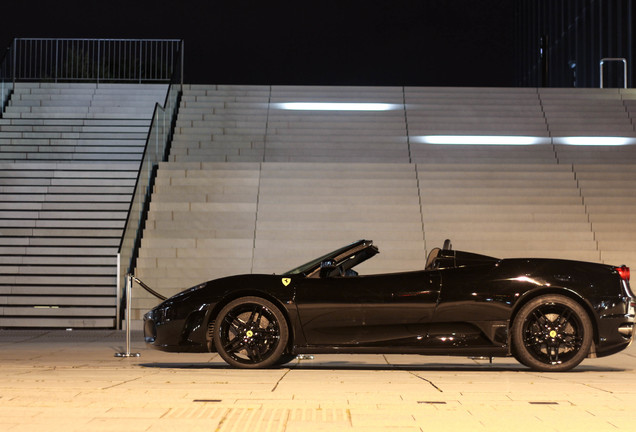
point(564, 291)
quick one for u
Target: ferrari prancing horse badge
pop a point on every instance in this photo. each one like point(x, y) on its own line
point(286, 281)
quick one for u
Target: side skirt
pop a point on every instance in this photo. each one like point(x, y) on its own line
point(462, 351)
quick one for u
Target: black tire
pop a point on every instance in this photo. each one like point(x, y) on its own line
point(551, 333)
point(250, 332)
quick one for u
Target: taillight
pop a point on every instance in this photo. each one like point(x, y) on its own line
point(623, 272)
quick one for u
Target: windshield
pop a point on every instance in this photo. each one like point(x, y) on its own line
point(313, 264)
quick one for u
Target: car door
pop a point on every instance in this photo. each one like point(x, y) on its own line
point(367, 310)
point(330, 310)
point(471, 311)
point(397, 308)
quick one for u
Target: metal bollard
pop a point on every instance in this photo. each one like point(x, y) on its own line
point(129, 279)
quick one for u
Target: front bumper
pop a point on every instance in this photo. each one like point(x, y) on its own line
point(175, 335)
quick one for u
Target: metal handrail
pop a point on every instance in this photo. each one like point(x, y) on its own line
point(602, 62)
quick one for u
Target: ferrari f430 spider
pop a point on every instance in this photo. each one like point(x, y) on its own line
point(549, 314)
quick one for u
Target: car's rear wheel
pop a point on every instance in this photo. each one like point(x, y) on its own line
point(551, 333)
point(250, 332)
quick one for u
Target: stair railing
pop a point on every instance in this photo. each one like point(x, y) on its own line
point(156, 150)
point(96, 60)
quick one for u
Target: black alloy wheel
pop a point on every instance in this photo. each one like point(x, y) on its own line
point(551, 333)
point(251, 332)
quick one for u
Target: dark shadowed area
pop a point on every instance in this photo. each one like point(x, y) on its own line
point(433, 42)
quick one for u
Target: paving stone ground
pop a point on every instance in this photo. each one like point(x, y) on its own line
point(71, 381)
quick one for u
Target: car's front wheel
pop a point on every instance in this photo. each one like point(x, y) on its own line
point(551, 333)
point(250, 332)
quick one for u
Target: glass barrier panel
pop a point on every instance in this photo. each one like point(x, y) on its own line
point(156, 151)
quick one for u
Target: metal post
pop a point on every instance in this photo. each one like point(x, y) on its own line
point(57, 58)
point(99, 59)
point(141, 50)
point(182, 57)
point(157, 137)
point(15, 49)
point(129, 279)
point(118, 294)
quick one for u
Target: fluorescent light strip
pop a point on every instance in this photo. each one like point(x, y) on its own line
point(522, 140)
point(595, 141)
point(337, 106)
point(479, 140)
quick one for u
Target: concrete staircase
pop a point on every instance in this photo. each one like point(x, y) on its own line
point(69, 156)
point(252, 187)
point(77, 122)
point(306, 209)
point(221, 124)
point(593, 113)
point(588, 112)
point(496, 112)
point(248, 124)
point(202, 219)
point(610, 201)
point(336, 136)
point(521, 210)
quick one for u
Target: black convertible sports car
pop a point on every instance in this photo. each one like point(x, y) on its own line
point(549, 314)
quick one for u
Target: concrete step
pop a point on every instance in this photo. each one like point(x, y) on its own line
point(528, 234)
point(531, 246)
point(493, 216)
point(514, 197)
point(56, 322)
point(588, 256)
point(503, 225)
point(472, 210)
point(618, 258)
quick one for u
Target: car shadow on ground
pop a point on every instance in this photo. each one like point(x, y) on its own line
point(350, 366)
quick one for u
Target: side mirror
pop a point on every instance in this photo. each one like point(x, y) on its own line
point(327, 268)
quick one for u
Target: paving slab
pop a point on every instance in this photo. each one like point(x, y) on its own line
point(71, 380)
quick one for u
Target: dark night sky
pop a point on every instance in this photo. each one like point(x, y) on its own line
point(392, 42)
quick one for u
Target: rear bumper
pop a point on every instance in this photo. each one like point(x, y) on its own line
point(616, 332)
